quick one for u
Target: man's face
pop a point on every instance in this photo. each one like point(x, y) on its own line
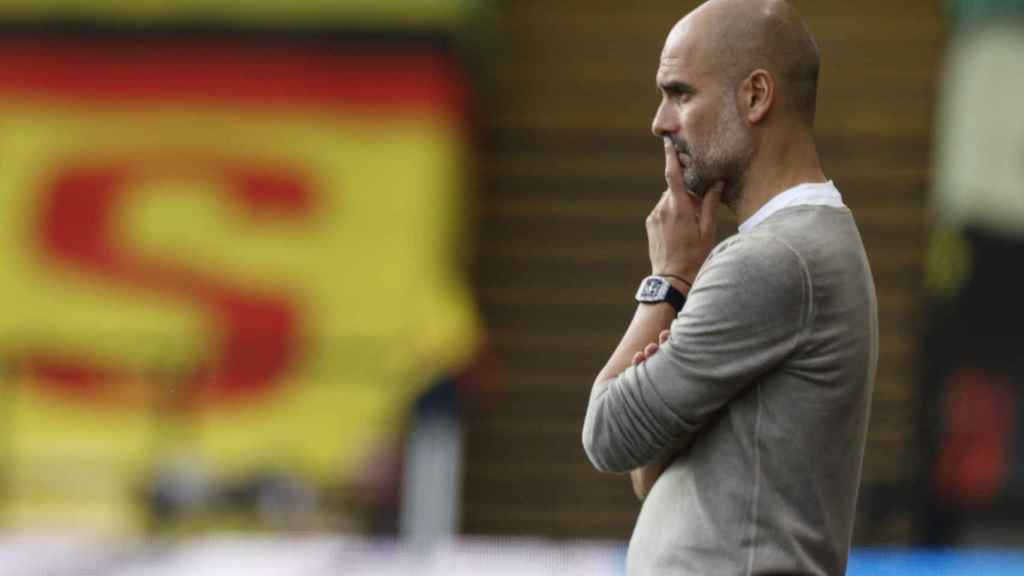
point(698, 113)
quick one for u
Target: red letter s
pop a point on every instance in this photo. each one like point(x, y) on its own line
point(259, 332)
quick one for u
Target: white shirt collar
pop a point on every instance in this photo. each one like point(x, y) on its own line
point(810, 194)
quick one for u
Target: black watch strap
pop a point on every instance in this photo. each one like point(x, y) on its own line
point(675, 298)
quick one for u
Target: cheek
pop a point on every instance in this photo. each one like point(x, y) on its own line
point(695, 124)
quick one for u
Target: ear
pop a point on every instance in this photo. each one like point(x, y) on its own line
point(757, 95)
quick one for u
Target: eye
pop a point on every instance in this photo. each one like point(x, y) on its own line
point(680, 96)
point(677, 92)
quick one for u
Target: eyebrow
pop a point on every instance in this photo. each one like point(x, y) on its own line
point(676, 87)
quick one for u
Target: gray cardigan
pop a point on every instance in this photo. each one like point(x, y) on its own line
point(764, 389)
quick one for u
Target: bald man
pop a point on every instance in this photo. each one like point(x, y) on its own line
point(739, 395)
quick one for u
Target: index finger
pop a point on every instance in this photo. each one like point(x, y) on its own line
point(673, 170)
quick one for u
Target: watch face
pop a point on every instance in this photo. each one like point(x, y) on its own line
point(653, 289)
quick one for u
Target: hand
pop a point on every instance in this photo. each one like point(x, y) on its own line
point(643, 479)
point(651, 348)
point(682, 228)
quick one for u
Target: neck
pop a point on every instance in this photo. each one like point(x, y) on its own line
point(782, 163)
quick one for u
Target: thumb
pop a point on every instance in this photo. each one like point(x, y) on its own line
point(709, 210)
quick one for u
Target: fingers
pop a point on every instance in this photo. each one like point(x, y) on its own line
point(650, 349)
point(709, 210)
point(681, 200)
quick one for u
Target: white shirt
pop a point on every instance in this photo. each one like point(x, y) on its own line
point(811, 194)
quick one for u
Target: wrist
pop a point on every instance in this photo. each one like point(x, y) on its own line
point(677, 281)
point(659, 289)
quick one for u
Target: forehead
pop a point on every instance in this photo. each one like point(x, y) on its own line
point(682, 56)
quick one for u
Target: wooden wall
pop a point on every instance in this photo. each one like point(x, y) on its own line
point(570, 172)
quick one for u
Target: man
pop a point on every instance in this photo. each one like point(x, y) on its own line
point(743, 416)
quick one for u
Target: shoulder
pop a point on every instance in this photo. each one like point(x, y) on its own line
point(762, 255)
point(753, 278)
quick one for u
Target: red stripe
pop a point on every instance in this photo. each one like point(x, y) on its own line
point(275, 75)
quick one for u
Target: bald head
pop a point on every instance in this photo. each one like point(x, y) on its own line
point(736, 37)
point(738, 82)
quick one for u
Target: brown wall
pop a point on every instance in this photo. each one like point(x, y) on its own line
point(570, 172)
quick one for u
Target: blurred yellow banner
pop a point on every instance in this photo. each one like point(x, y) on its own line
point(390, 13)
point(247, 261)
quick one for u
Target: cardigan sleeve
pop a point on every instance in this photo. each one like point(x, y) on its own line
point(746, 313)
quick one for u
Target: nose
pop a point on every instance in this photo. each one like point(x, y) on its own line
point(664, 122)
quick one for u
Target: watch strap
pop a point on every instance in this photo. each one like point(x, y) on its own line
point(675, 298)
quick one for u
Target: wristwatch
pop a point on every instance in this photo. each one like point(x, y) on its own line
point(654, 289)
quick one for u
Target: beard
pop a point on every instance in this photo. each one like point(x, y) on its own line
point(725, 158)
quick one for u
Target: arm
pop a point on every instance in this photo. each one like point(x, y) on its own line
point(650, 322)
point(681, 230)
point(745, 315)
point(643, 478)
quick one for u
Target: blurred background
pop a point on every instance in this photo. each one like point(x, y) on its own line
point(321, 287)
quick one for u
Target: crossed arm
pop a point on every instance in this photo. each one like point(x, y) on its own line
point(681, 230)
point(746, 313)
point(650, 324)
